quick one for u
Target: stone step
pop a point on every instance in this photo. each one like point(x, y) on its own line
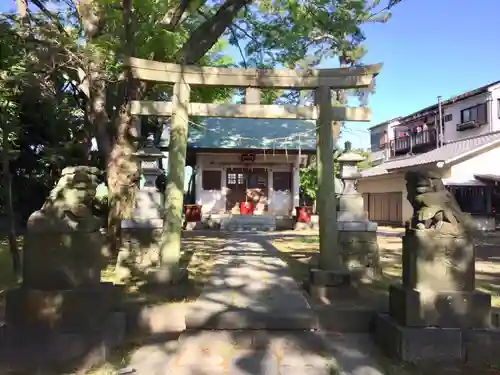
point(252, 228)
point(244, 352)
point(249, 319)
point(255, 223)
point(251, 221)
point(257, 339)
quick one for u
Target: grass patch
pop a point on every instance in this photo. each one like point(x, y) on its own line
point(198, 255)
point(299, 250)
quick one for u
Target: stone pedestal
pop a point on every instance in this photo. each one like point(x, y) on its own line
point(62, 298)
point(436, 315)
point(437, 304)
point(359, 246)
point(438, 283)
point(65, 311)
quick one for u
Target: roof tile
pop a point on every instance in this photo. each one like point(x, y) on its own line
point(243, 133)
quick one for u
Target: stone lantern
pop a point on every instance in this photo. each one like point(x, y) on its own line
point(357, 235)
point(141, 233)
point(351, 207)
point(148, 210)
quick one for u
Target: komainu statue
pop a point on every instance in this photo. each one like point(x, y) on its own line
point(434, 207)
point(63, 242)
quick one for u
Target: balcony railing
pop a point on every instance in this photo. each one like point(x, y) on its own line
point(425, 139)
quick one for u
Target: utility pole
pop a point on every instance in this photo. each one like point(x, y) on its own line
point(440, 122)
point(436, 129)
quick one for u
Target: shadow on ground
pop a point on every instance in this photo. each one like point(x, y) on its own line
point(144, 307)
point(299, 251)
point(155, 341)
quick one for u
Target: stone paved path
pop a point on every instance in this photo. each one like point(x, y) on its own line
point(250, 288)
point(252, 318)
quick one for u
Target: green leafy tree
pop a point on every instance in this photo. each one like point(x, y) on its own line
point(89, 38)
point(309, 175)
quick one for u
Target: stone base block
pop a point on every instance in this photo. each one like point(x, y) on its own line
point(318, 277)
point(346, 319)
point(24, 351)
point(495, 318)
point(331, 293)
point(418, 345)
point(193, 225)
point(140, 251)
point(356, 226)
point(409, 307)
point(481, 347)
point(165, 277)
point(360, 252)
point(284, 223)
point(62, 310)
point(137, 223)
point(306, 226)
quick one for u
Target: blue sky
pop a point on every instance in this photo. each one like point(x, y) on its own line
point(429, 48)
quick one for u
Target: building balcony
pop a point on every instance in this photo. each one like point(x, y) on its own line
point(414, 143)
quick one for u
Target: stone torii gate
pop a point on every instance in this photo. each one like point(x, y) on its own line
point(322, 81)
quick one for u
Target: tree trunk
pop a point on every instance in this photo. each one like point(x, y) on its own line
point(122, 167)
point(99, 122)
point(97, 113)
point(7, 184)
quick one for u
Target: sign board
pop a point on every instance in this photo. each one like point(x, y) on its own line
point(248, 158)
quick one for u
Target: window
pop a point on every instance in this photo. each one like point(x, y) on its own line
point(498, 107)
point(375, 141)
point(231, 178)
point(448, 118)
point(471, 199)
point(476, 113)
point(241, 179)
point(257, 179)
point(211, 180)
point(235, 178)
point(282, 181)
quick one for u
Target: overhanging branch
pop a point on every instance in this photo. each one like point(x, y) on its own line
point(206, 35)
point(175, 16)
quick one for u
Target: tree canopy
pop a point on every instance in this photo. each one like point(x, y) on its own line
point(64, 96)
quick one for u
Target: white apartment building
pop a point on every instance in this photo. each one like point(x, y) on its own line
point(465, 150)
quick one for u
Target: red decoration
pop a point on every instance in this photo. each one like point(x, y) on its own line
point(192, 213)
point(304, 214)
point(246, 208)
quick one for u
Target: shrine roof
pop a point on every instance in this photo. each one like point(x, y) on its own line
point(243, 133)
